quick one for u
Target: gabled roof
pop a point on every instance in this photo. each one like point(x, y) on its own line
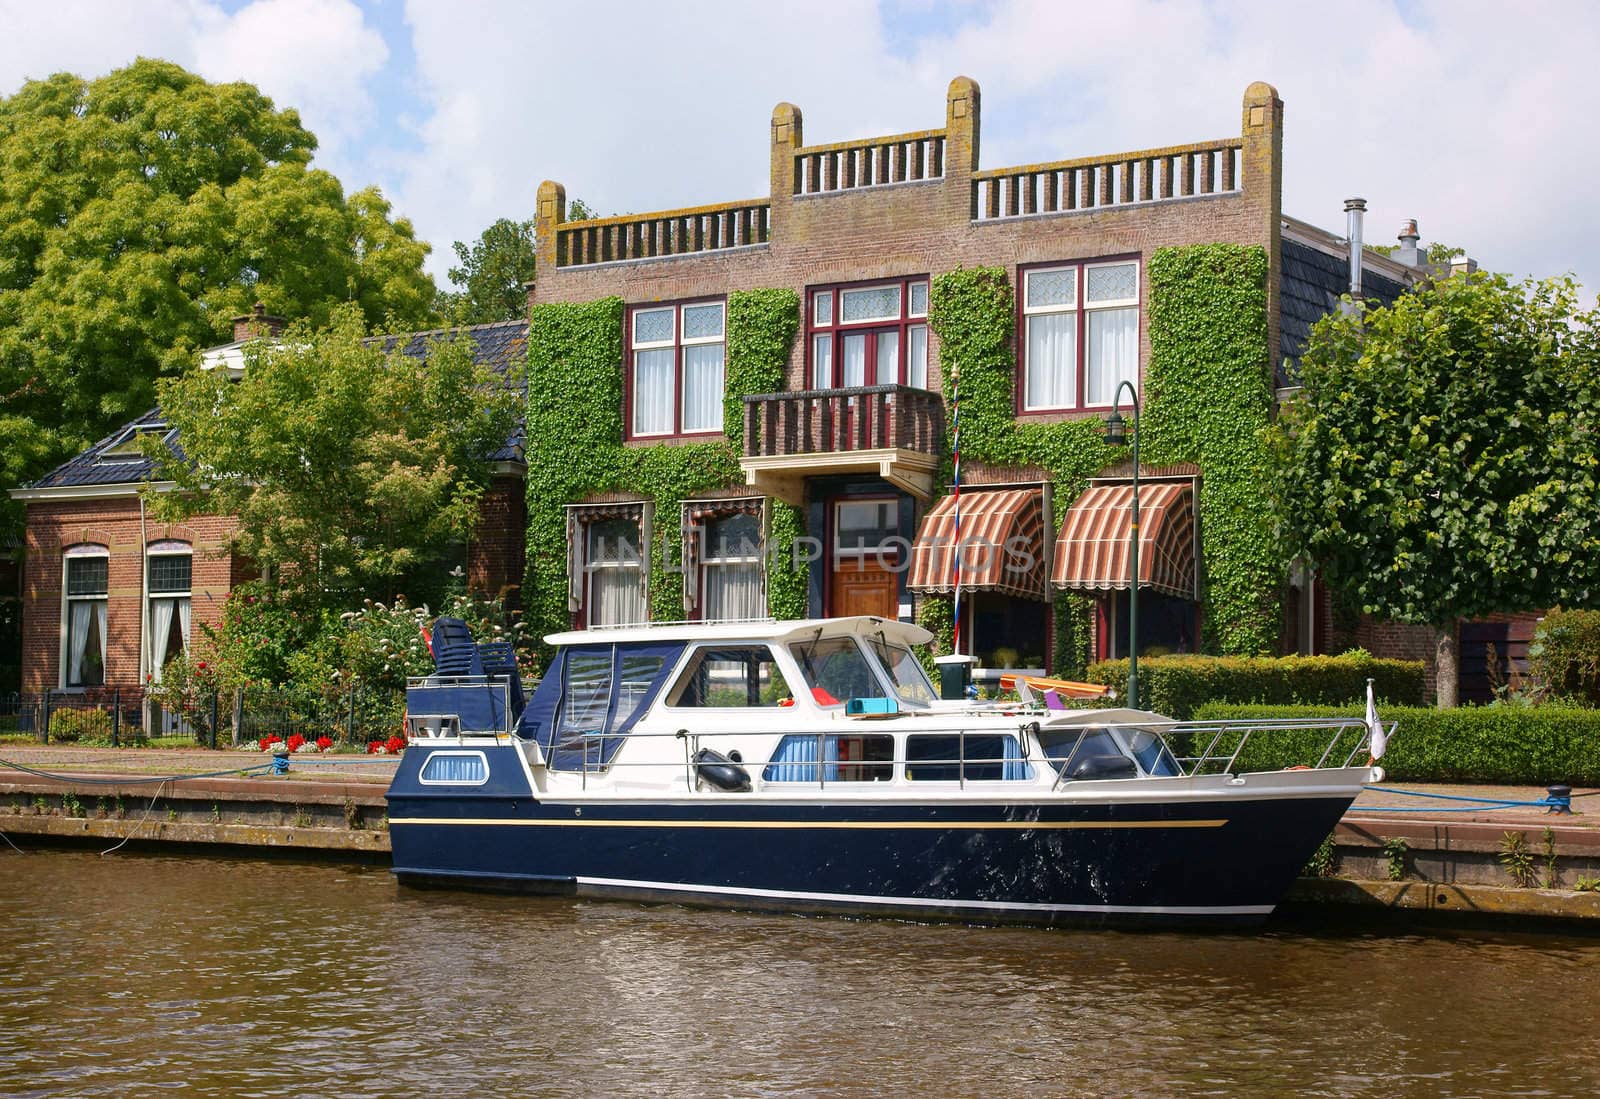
point(502, 346)
point(1316, 273)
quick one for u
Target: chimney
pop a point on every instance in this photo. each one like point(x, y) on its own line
point(256, 324)
point(1460, 265)
point(1355, 211)
point(1408, 253)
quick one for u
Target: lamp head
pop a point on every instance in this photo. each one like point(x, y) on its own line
point(1116, 429)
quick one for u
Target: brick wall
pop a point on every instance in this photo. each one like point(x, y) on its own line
point(114, 524)
point(497, 554)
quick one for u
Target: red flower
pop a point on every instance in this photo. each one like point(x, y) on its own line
point(373, 746)
point(295, 742)
point(396, 745)
point(201, 664)
point(324, 743)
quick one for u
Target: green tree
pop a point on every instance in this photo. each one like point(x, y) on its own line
point(491, 275)
point(1441, 461)
point(139, 212)
point(350, 470)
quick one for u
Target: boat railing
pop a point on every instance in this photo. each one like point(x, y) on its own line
point(1222, 743)
point(453, 706)
point(1197, 747)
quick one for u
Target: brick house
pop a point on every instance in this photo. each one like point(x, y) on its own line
point(108, 595)
point(857, 438)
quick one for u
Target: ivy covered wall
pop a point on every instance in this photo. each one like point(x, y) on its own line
point(1207, 397)
point(575, 447)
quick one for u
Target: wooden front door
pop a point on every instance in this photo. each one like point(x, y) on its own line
point(864, 562)
point(861, 585)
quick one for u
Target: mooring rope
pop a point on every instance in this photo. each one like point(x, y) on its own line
point(1480, 805)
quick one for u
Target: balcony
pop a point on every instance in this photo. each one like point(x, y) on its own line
point(890, 431)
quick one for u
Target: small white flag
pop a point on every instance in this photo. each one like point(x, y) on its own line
point(1377, 737)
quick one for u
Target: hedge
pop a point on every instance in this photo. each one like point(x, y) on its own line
point(1511, 745)
point(1178, 685)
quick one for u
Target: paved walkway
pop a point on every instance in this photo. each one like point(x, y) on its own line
point(188, 761)
point(1585, 810)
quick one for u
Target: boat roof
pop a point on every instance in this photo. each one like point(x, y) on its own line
point(760, 629)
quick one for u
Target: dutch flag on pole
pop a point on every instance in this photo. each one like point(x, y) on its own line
point(1377, 737)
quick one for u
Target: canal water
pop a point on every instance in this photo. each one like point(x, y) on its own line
point(152, 975)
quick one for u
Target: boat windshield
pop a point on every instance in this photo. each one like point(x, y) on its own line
point(911, 683)
point(836, 670)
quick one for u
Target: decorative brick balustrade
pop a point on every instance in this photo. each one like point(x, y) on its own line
point(668, 233)
point(849, 165)
point(1154, 175)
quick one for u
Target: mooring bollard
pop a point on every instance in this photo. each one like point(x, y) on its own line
point(280, 758)
point(1559, 798)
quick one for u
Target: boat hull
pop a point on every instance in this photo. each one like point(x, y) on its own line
point(1188, 861)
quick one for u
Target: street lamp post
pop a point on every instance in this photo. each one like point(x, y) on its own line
point(1116, 435)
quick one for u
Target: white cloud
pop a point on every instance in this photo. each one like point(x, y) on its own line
point(1453, 113)
point(317, 56)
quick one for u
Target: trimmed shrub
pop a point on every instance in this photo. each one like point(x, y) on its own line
point(69, 726)
point(1565, 655)
point(1511, 745)
point(1178, 685)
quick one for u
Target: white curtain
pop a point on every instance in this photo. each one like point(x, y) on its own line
point(702, 387)
point(917, 366)
point(160, 632)
point(1113, 352)
point(78, 638)
point(1052, 361)
point(888, 358)
point(183, 621)
point(734, 591)
point(616, 596)
point(652, 392)
point(822, 362)
point(855, 360)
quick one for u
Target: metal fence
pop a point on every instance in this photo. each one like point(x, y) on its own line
point(119, 717)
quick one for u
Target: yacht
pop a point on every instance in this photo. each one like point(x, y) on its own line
point(811, 766)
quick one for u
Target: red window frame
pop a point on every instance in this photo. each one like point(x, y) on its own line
point(837, 330)
point(1081, 316)
point(677, 307)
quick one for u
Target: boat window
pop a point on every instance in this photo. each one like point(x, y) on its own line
point(1154, 757)
point(732, 676)
point(988, 757)
point(455, 769)
point(603, 692)
point(836, 670)
point(1061, 744)
point(854, 758)
point(911, 683)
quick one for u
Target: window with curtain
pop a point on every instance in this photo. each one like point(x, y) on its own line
point(733, 577)
point(977, 757)
point(1080, 334)
point(171, 572)
point(84, 599)
point(676, 360)
point(869, 335)
point(865, 758)
point(614, 561)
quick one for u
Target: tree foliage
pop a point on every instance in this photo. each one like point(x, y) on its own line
point(491, 275)
point(139, 212)
point(349, 469)
point(1441, 462)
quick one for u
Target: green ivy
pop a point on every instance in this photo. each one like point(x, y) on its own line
point(1208, 396)
point(576, 448)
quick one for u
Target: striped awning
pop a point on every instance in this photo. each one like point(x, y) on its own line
point(1092, 551)
point(1002, 544)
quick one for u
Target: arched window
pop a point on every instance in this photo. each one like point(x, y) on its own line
point(171, 574)
point(85, 572)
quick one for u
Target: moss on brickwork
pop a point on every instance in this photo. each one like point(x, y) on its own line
point(1207, 399)
point(575, 447)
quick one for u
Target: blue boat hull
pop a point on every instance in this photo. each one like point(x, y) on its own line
point(1222, 862)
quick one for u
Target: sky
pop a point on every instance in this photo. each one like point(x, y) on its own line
point(1477, 119)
